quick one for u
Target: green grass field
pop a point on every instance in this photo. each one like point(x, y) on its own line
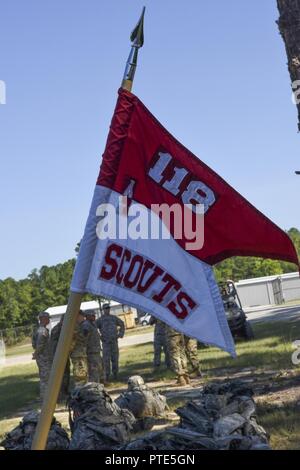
point(271, 350)
point(26, 348)
point(19, 349)
point(282, 424)
point(18, 386)
point(139, 330)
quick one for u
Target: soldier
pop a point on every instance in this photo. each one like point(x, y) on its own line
point(21, 437)
point(192, 356)
point(55, 333)
point(143, 402)
point(178, 359)
point(160, 343)
point(96, 422)
point(111, 328)
point(94, 359)
point(78, 350)
point(40, 344)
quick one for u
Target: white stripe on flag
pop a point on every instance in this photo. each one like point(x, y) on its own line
point(206, 322)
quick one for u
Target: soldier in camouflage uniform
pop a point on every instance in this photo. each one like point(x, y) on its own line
point(78, 350)
point(55, 333)
point(96, 422)
point(192, 355)
point(146, 404)
point(159, 343)
point(111, 328)
point(40, 344)
point(94, 359)
point(21, 437)
point(176, 347)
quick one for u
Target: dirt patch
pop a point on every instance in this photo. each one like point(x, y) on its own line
point(271, 388)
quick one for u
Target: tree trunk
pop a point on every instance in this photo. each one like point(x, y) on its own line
point(289, 27)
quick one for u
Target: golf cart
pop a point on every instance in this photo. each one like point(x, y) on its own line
point(239, 325)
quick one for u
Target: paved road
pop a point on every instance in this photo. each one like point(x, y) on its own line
point(130, 340)
point(255, 315)
point(136, 339)
point(266, 314)
point(18, 360)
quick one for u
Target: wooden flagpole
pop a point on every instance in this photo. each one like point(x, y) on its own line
point(65, 339)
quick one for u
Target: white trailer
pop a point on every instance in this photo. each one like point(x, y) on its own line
point(93, 306)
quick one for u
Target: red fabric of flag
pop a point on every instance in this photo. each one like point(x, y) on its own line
point(138, 146)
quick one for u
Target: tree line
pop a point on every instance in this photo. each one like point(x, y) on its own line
point(21, 301)
point(239, 267)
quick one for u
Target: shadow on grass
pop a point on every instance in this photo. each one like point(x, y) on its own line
point(145, 369)
point(281, 384)
point(282, 329)
point(16, 391)
point(282, 424)
point(271, 349)
point(260, 360)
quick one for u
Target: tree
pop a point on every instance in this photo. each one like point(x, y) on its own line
point(238, 267)
point(289, 27)
point(21, 301)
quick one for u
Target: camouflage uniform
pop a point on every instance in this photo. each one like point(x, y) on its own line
point(111, 328)
point(40, 344)
point(55, 333)
point(192, 354)
point(145, 404)
point(21, 437)
point(94, 359)
point(96, 422)
point(176, 348)
point(160, 343)
point(79, 353)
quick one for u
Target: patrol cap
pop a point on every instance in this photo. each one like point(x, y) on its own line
point(43, 315)
point(90, 313)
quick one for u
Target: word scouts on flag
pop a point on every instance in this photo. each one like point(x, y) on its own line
point(145, 168)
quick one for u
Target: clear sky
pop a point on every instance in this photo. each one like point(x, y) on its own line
point(213, 72)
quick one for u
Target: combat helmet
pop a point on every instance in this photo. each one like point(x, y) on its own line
point(43, 315)
point(135, 381)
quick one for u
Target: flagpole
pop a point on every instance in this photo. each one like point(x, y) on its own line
point(65, 338)
point(137, 39)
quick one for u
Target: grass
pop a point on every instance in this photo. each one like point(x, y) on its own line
point(271, 349)
point(282, 423)
point(139, 330)
point(26, 348)
point(7, 425)
point(18, 386)
point(19, 349)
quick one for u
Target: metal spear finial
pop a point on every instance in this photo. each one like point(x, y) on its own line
point(137, 39)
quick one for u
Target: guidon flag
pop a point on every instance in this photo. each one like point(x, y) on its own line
point(167, 276)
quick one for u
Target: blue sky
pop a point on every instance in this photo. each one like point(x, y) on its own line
point(214, 73)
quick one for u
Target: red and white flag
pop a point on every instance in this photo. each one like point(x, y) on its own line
point(170, 277)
